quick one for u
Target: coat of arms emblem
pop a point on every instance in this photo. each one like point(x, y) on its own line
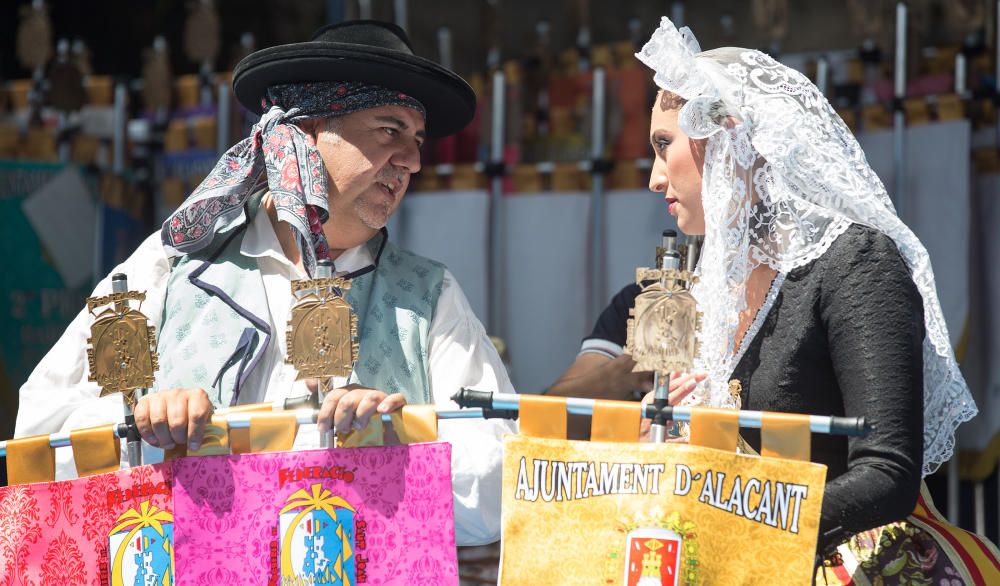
point(141, 547)
point(658, 551)
point(653, 557)
point(317, 539)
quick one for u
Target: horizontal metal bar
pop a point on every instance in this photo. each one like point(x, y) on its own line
point(307, 416)
point(61, 439)
point(242, 421)
point(850, 426)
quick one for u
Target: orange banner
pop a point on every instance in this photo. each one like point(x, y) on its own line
point(664, 514)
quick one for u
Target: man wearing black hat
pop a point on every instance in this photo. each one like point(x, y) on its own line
point(342, 120)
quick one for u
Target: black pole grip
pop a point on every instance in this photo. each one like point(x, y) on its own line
point(466, 398)
point(849, 426)
point(132, 435)
point(500, 414)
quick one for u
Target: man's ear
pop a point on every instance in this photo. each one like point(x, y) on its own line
point(311, 126)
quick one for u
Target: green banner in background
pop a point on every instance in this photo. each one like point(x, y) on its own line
point(35, 305)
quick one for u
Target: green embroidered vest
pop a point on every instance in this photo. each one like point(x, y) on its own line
point(216, 324)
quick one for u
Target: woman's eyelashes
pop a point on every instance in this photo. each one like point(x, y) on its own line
point(660, 143)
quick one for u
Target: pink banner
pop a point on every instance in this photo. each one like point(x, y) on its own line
point(342, 517)
point(111, 529)
point(378, 515)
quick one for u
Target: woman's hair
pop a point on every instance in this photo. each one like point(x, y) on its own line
point(671, 101)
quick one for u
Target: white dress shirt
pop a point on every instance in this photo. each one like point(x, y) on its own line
point(57, 396)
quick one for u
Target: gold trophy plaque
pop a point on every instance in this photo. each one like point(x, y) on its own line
point(121, 349)
point(662, 330)
point(322, 336)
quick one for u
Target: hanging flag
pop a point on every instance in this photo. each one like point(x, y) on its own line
point(663, 514)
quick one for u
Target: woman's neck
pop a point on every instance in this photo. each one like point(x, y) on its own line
point(758, 285)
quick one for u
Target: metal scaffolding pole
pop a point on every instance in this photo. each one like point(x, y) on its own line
point(400, 15)
point(677, 14)
point(495, 272)
point(960, 74)
point(996, 75)
point(898, 118)
point(598, 168)
point(119, 120)
point(223, 133)
point(822, 75)
point(953, 490)
point(365, 9)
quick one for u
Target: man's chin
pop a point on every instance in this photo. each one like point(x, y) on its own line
point(375, 216)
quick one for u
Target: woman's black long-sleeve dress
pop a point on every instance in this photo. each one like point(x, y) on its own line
point(844, 337)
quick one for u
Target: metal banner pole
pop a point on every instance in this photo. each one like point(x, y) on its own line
point(502, 404)
point(506, 406)
point(661, 380)
point(133, 443)
point(303, 416)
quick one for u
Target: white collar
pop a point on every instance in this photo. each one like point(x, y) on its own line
point(262, 241)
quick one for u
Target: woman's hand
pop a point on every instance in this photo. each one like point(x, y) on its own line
point(680, 387)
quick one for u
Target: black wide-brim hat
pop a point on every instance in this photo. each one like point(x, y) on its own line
point(366, 51)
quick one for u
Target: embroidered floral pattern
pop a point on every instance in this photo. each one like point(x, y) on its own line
point(19, 529)
point(99, 516)
point(64, 563)
point(401, 494)
point(61, 504)
point(57, 533)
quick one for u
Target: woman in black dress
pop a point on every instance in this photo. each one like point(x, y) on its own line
point(815, 297)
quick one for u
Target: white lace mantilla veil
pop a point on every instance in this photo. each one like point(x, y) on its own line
point(783, 178)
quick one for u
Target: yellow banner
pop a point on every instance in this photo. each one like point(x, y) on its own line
point(659, 514)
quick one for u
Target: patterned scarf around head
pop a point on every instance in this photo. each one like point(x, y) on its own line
point(296, 177)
